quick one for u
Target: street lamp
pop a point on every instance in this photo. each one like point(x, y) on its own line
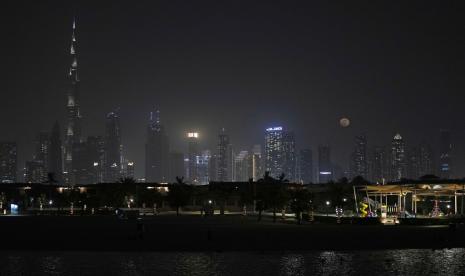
point(327, 207)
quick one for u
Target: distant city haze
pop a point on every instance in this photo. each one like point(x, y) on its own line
point(389, 67)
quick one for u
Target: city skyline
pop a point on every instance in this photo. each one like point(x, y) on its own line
point(313, 120)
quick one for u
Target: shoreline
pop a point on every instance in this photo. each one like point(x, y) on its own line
point(218, 233)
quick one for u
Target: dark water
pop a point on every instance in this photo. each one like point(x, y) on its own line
point(396, 262)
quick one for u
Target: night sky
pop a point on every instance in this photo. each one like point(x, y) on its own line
point(390, 66)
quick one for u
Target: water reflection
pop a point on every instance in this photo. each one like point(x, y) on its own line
point(382, 262)
point(293, 264)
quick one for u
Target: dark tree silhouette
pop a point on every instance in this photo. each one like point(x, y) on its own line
point(275, 192)
point(179, 194)
point(300, 202)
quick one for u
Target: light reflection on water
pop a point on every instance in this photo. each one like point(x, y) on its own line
point(382, 262)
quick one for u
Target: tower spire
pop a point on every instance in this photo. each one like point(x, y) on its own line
point(73, 127)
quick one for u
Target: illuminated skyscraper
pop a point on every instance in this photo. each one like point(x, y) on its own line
point(280, 152)
point(203, 167)
point(359, 157)
point(113, 158)
point(88, 162)
point(37, 169)
point(73, 128)
point(445, 155)
point(257, 163)
point(193, 152)
point(224, 158)
point(242, 167)
point(325, 168)
point(398, 158)
point(8, 162)
point(156, 151)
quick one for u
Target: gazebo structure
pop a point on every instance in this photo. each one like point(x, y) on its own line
point(402, 198)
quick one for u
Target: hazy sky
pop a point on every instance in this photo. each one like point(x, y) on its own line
point(390, 66)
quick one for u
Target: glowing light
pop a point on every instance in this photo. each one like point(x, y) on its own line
point(193, 135)
point(274, 128)
point(130, 163)
point(325, 173)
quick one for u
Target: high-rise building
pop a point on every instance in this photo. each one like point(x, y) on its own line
point(96, 157)
point(73, 128)
point(398, 158)
point(325, 168)
point(8, 162)
point(42, 149)
point(113, 156)
point(257, 163)
point(156, 151)
point(193, 152)
point(203, 167)
point(35, 172)
point(242, 166)
point(224, 158)
point(55, 161)
point(88, 161)
point(37, 168)
point(176, 166)
point(129, 169)
point(379, 166)
point(359, 157)
point(445, 171)
point(289, 156)
point(426, 160)
point(305, 166)
point(280, 152)
point(413, 162)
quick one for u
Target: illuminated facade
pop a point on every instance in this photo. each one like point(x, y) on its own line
point(280, 152)
point(89, 159)
point(257, 163)
point(242, 166)
point(73, 128)
point(113, 156)
point(193, 152)
point(8, 162)
point(398, 158)
point(157, 150)
point(202, 164)
point(359, 158)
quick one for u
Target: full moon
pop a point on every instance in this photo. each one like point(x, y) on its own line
point(344, 122)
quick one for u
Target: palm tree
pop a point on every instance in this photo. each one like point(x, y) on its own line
point(179, 194)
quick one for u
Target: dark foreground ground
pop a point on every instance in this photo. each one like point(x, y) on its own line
point(230, 233)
